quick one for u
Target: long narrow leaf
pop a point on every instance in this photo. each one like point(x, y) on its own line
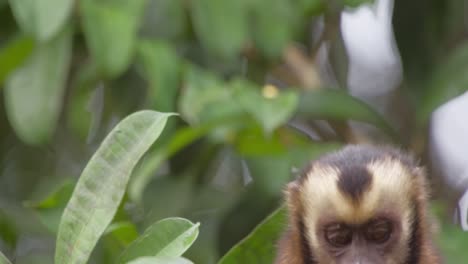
point(170, 237)
point(3, 259)
point(260, 246)
point(338, 105)
point(156, 260)
point(102, 185)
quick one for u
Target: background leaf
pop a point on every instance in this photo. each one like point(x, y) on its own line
point(110, 28)
point(161, 68)
point(34, 92)
point(3, 259)
point(170, 237)
point(102, 184)
point(36, 18)
point(259, 246)
point(201, 89)
point(338, 105)
point(356, 3)
point(13, 54)
point(269, 112)
point(158, 260)
point(448, 80)
point(182, 138)
point(221, 25)
point(273, 27)
point(124, 232)
point(50, 208)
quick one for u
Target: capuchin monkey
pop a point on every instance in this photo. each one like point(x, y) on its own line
point(360, 205)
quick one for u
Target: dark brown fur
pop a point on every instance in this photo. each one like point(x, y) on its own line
point(354, 182)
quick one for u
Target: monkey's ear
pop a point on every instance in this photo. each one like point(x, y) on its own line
point(292, 188)
point(420, 171)
point(292, 196)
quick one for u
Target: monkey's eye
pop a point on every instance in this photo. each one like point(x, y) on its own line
point(338, 235)
point(378, 231)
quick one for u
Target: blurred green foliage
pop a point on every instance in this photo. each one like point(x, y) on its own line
point(71, 69)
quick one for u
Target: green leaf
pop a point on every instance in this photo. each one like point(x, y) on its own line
point(3, 259)
point(161, 68)
point(274, 24)
point(35, 257)
point(448, 80)
point(57, 197)
point(84, 112)
point(144, 173)
point(259, 247)
point(102, 185)
point(15, 221)
point(123, 232)
point(311, 7)
point(177, 189)
point(339, 105)
point(202, 88)
point(110, 28)
point(50, 209)
point(160, 260)
point(9, 230)
point(34, 92)
point(182, 138)
point(272, 172)
point(356, 3)
point(270, 112)
point(207, 99)
point(252, 142)
point(450, 239)
point(221, 25)
point(44, 18)
point(13, 54)
point(170, 237)
point(452, 242)
point(116, 238)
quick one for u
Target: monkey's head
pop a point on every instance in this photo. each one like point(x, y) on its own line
point(361, 205)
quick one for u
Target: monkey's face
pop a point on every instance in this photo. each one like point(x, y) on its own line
point(371, 242)
point(358, 213)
